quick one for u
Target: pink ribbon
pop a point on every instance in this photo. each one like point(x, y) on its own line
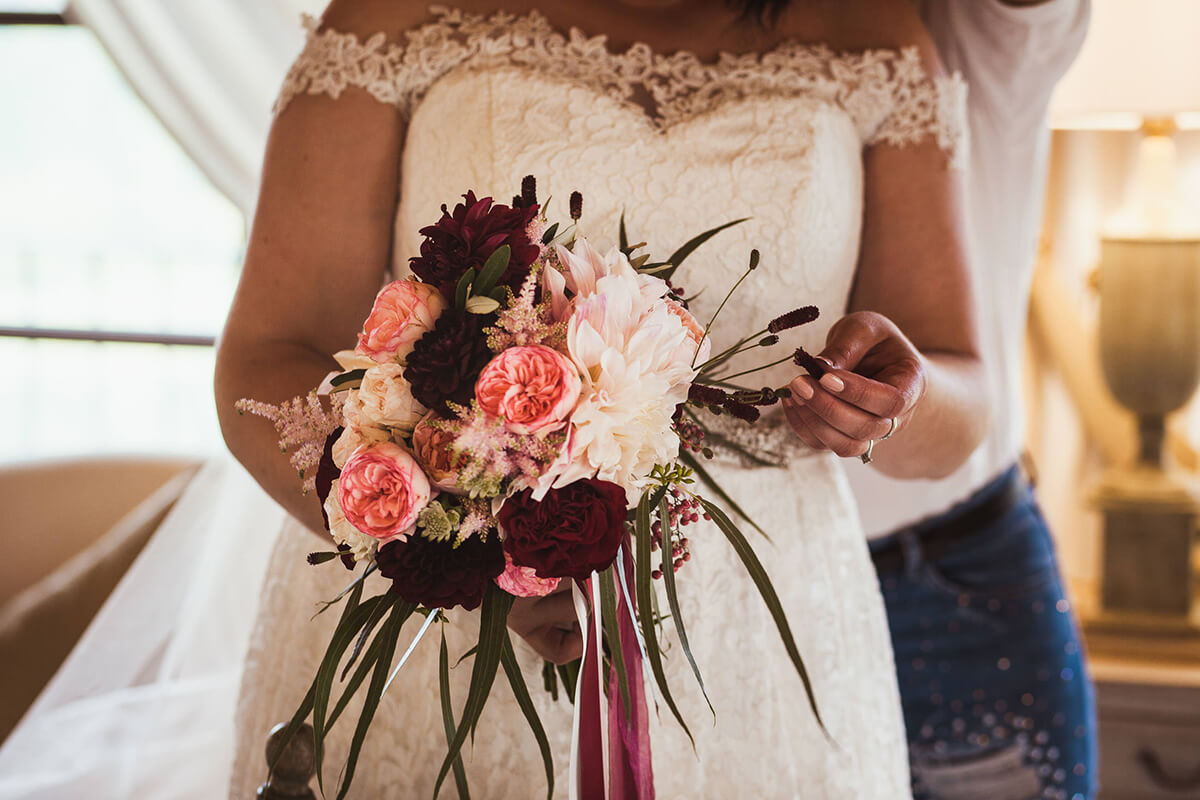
point(631, 775)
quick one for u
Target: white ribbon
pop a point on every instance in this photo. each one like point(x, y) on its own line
point(420, 634)
point(581, 614)
point(647, 675)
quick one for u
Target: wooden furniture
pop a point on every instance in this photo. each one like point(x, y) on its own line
point(1149, 716)
point(295, 765)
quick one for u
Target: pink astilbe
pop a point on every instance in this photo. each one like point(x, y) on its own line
point(478, 519)
point(492, 455)
point(303, 424)
point(526, 322)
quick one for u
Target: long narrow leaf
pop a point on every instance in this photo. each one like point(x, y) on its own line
point(608, 618)
point(642, 569)
point(673, 598)
point(373, 620)
point(460, 774)
point(356, 583)
point(517, 681)
point(707, 479)
point(390, 633)
point(763, 582)
point(569, 675)
point(690, 246)
point(493, 617)
point(323, 685)
point(623, 236)
point(364, 668)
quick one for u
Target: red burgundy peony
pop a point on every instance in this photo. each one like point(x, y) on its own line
point(466, 237)
point(571, 532)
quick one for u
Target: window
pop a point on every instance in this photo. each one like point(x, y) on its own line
point(106, 229)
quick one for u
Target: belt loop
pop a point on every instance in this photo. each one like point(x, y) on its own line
point(910, 548)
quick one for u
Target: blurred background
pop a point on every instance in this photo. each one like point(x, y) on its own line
point(130, 135)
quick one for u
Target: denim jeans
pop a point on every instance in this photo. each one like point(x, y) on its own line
point(997, 701)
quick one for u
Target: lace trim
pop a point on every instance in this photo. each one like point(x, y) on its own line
point(887, 93)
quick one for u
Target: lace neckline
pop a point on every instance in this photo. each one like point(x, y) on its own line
point(887, 92)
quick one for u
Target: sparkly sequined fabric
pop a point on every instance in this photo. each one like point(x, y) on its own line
point(777, 138)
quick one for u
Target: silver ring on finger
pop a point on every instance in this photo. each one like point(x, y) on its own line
point(891, 430)
point(866, 457)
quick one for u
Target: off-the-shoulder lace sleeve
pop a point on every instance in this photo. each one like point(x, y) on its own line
point(887, 93)
point(894, 100)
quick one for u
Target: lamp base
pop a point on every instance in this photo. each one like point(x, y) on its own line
point(1150, 521)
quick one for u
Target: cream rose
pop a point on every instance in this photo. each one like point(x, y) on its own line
point(385, 399)
point(353, 438)
point(362, 546)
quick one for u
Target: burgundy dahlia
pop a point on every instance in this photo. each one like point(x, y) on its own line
point(570, 533)
point(437, 574)
point(465, 238)
point(446, 360)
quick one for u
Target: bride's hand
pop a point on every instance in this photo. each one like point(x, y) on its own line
point(549, 624)
point(876, 375)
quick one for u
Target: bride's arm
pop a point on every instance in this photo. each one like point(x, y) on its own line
point(318, 252)
point(908, 347)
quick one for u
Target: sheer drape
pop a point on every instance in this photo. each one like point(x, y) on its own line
point(209, 69)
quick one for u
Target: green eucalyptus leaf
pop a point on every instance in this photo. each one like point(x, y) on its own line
point(478, 304)
point(493, 268)
point(517, 681)
point(493, 616)
point(548, 236)
point(673, 598)
point(460, 774)
point(692, 244)
point(347, 377)
point(463, 290)
point(767, 591)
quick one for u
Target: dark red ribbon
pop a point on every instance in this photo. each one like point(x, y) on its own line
point(631, 774)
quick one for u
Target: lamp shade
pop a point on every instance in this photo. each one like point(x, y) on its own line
point(1140, 60)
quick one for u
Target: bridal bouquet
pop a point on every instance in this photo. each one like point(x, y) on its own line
point(525, 410)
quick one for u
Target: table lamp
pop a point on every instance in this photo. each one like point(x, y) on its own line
point(1139, 71)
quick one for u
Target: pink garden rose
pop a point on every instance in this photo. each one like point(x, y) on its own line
point(523, 581)
point(432, 447)
point(382, 489)
point(532, 388)
point(403, 312)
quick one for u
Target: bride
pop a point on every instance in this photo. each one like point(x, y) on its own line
point(835, 130)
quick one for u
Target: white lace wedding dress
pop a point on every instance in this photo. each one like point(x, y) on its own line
point(679, 146)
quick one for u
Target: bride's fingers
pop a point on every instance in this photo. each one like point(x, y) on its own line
point(829, 436)
point(791, 411)
point(530, 614)
point(848, 418)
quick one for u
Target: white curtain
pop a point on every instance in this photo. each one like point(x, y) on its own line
point(209, 69)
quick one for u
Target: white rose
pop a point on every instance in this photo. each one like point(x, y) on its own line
point(385, 399)
point(353, 438)
point(362, 546)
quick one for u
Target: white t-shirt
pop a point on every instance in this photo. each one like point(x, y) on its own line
point(1011, 58)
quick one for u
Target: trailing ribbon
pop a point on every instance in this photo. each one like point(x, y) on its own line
point(610, 758)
